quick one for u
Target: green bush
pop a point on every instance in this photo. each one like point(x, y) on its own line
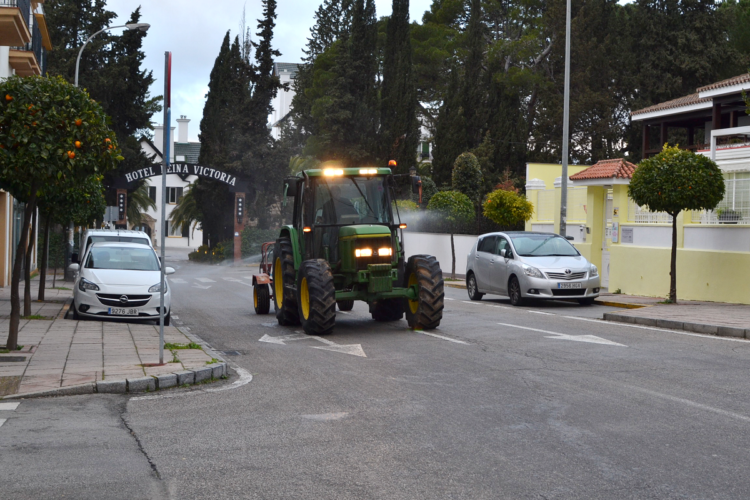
point(456, 208)
point(507, 208)
point(467, 176)
point(405, 206)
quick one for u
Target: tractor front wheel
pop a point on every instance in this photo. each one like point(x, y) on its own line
point(316, 296)
point(284, 302)
point(345, 305)
point(426, 311)
point(261, 299)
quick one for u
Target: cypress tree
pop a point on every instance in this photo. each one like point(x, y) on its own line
point(450, 133)
point(400, 132)
point(474, 84)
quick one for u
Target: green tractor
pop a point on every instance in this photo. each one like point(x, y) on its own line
point(345, 245)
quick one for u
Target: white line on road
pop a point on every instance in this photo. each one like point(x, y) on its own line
point(563, 336)
point(205, 280)
point(690, 403)
point(472, 303)
point(444, 338)
point(448, 298)
point(617, 323)
point(2, 421)
point(9, 406)
point(540, 312)
point(177, 280)
point(245, 378)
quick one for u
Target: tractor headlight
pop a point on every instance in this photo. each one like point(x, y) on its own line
point(385, 252)
point(363, 252)
point(85, 284)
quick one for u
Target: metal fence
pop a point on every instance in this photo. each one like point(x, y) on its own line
point(734, 208)
point(642, 215)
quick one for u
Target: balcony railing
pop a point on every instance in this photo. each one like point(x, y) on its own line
point(23, 5)
point(35, 46)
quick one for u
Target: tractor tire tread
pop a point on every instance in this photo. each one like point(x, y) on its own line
point(322, 297)
point(431, 292)
point(287, 314)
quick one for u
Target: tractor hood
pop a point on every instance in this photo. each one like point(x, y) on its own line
point(364, 231)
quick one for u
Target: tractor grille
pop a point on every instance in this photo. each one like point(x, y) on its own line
point(375, 244)
point(113, 299)
point(566, 277)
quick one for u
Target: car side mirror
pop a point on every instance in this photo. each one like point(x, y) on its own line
point(169, 270)
point(503, 253)
point(74, 258)
point(74, 267)
point(569, 238)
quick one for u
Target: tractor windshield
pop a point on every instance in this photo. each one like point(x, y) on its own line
point(351, 200)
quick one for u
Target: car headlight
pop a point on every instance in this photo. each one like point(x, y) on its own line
point(85, 284)
point(157, 288)
point(593, 272)
point(532, 271)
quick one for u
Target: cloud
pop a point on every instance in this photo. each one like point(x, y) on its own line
point(194, 29)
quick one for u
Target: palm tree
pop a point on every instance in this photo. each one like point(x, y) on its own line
point(299, 163)
point(186, 212)
point(138, 203)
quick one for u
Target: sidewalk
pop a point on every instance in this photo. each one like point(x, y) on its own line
point(714, 318)
point(62, 356)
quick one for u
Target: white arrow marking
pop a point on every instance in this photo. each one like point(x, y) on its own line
point(577, 338)
point(177, 280)
point(205, 280)
point(353, 349)
point(2, 421)
point(202, 287)
point(9, 406)
point(444, 338)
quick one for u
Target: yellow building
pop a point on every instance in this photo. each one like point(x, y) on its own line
point(24, 42)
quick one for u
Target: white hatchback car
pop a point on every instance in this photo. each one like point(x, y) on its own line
point(120, 280)
point(526, 265)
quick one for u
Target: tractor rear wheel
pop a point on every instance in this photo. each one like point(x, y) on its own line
point(345, 305)
point(426, 311)
point(261, 299)
point(316, 296)
point(285, 301)
point(387, 310)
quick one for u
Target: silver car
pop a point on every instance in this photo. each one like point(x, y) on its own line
point(526, 265)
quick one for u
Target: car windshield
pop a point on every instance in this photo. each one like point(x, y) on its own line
point(351, 200)
point(125, 258)
point(542, 245)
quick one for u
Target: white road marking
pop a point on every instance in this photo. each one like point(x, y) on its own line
point(177, 280)
point(2, 421)
point(324, 417)
point(472, 303)
point(444, 338)
point(202, 287)
point(687, 402)
point(8, 406)
point(342, 312)
point(540, 312)
point(561, 336)
point(235, 280)
point(447, 298)
point(617, 323)
point(245, 378)
point(353, 349)
point(205, 280)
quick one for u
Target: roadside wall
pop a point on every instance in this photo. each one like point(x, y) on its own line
point(439, 245)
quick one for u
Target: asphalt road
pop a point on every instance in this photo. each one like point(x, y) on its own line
point(499, 402)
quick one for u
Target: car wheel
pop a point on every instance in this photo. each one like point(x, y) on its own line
point(514, 292)
point(74, 312)
point(471, 288)
point(586, 302)
point(167, 318)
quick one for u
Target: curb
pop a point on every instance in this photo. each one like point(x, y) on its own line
point(65, 308)
point(719, 331)
point(455, 284)
point(621, 305)
point(133, 385)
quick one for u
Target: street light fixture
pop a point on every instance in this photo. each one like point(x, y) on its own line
point(131, 26)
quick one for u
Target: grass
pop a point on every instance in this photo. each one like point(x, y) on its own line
point(6, 351)
point(666, 301)
point(172, 347)
point(36, 316)
point(617, 292)
point(213, 360)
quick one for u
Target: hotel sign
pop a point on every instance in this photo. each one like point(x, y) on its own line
point(183, 170)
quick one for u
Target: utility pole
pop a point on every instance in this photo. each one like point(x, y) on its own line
point(566, 129)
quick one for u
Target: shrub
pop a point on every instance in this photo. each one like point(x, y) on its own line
point(467, 176)
point(456, 208)
point(507, 208)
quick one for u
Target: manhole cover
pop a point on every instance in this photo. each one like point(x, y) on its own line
point(232, 353)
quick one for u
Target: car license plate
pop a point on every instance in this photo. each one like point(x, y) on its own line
point(123, 311)
point(569, 285)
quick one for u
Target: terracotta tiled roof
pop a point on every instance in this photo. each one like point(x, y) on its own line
point(606, 169)
point(674, 103)
point(726, 83)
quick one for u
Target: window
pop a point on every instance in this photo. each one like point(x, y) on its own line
point(351, 200)
point(173, 229)
point(124, 258)
point(152, 193)
point(488, 244)
point(174, 194)
point(735, 207)
point(543, 245)
point(503, 246)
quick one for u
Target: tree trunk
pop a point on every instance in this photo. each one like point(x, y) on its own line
point(27, 267)
point(45, 259)
point(453, 254)
point(15, 299)
point(54, 272)
point(673, 263)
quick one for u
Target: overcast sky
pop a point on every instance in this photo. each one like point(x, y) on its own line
point(194, 29)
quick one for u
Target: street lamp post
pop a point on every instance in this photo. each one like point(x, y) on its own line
point(132, 26)
point(566, 130)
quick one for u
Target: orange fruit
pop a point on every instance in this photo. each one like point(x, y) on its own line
point(107, 140)
point(8, 97)
point(78, 122)
point(110, 146)
point(78, 144)
point(33, 124)
point(71, 154)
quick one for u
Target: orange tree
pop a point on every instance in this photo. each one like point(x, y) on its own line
point(51, 134)
point(673, 181)
point(456, 210)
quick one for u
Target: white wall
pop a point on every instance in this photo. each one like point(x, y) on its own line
point(282, 103)
point(5, 69)
point(439, 245)
point(173, 180)
point(649, 236)
point(728, 239)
